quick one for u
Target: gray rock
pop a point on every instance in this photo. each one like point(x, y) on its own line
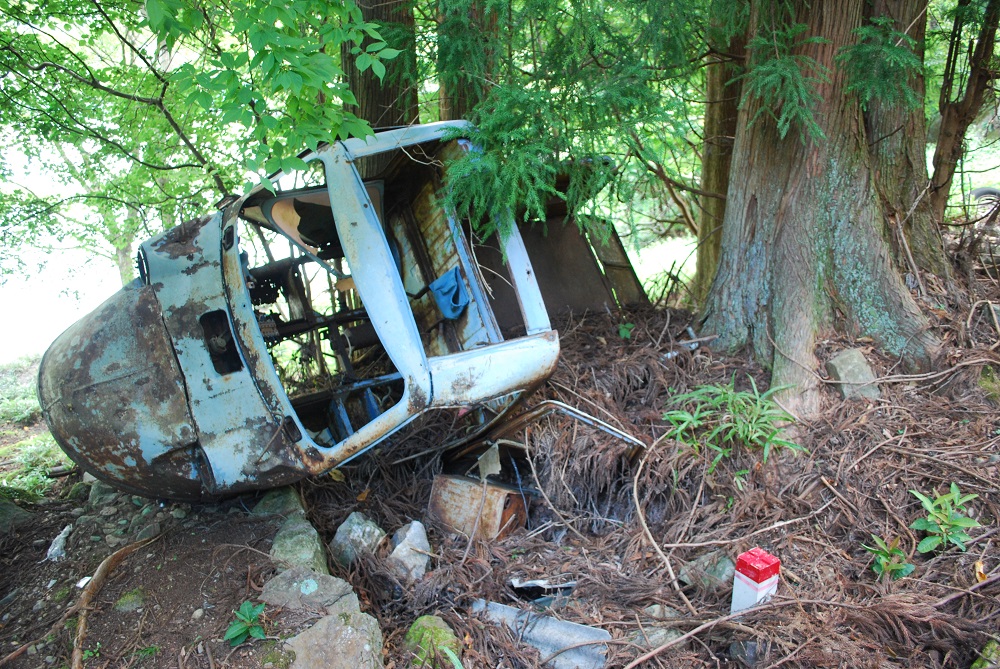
point(355, 535)
point(713, 571)
point(346, 641)
point(179, 513)
point(749, 653)
point(280, 501)
point(853, 374)
point(133, 600)
point(79, 491)
point(101, 494)
point(302, 588)
point(411, 552)
point(653, 636)
point(298, 544)
point(148, 532)
point(10, 597)
point(198, 614)
point(661, 612)
point(12, 516)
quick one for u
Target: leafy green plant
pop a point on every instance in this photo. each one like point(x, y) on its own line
point(247, 624)
point(784, 81)
point(91, 653)
point(722, 418)
point(18, 401)
point(148, 651)
point(625, 330)
point(34, 457)
point(879, 65)
point(452, 657)
point(946, 521)
point(890, 560)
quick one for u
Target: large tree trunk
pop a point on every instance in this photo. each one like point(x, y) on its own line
point(721, 112)
point(897, 138)
point(467, 55)
point(958, 115)
point(393, 100)
point(802, 250)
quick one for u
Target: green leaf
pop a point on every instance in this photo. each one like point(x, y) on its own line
point(156, 14)
point(962, 521)
point(378, 69)
point(928, 544)
point(904, 570)
point(927, 503)
point(237, 629)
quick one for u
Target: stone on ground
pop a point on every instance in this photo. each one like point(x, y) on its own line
point(358, 534)
point(298, 544)
point(302, 588)
point(280, 501)
point(343, 641)
point(853, 375)
point(102, 494)
point(12, 516)
point(411, 552)
point(712, 571)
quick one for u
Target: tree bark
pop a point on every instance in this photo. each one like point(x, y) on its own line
point(958, 115)
point(802, 249)
point(897, 141)
point(723, 93)
point(393, 100)
point(466, 57)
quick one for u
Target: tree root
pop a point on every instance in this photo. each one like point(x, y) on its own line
point(82, 604)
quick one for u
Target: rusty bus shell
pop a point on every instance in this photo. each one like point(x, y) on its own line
point(189, 383)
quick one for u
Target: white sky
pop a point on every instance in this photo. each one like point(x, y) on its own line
point(37, 307)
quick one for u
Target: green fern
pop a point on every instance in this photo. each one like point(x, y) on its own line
point(722, 418)
point(879, 66)
point(785, 83)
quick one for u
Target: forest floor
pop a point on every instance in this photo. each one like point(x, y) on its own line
point(622, 523)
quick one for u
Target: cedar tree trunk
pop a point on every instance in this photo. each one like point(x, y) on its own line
point(393, 100)
point(802, 249)
point(466, 56)
point(721, 112)
point(897, 142)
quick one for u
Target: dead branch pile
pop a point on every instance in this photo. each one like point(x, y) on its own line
point(624, 524)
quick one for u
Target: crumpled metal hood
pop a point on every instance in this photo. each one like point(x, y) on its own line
point(112, 392)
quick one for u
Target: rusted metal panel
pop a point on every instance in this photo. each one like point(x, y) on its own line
point(617, 266)
point(113, 394)
point(477, 510)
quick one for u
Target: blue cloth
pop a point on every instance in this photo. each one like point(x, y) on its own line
point(450, 294)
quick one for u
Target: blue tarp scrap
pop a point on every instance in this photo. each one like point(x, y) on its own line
point(450, 294)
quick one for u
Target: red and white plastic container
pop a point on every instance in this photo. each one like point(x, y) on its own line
point(756, 579)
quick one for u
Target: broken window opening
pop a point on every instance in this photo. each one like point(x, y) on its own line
point(330, 360)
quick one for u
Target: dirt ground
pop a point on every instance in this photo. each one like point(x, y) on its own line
point(621, 522)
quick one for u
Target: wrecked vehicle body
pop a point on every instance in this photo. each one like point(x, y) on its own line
point(294, 329)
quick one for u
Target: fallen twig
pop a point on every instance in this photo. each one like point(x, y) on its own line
point(712, 623)
point(93, 587)
point(89, 592)
point(649, 537)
